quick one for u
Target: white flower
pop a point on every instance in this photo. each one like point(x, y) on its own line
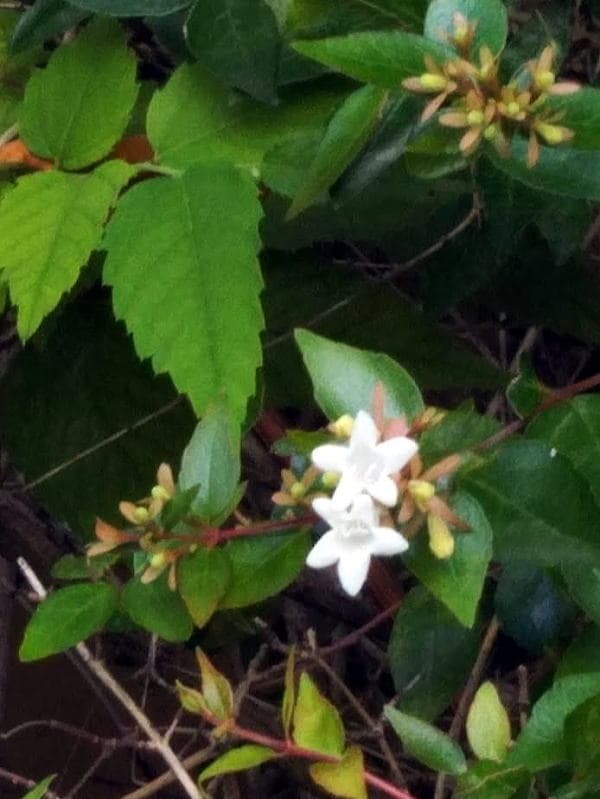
point(364, 464)
point(354, 537)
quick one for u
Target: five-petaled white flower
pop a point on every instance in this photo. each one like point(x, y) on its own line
point(355, 536)
point(365, 465)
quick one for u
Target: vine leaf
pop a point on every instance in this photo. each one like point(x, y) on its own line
point(49, 224)
point(188, 289)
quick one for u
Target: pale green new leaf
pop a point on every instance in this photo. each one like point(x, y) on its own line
point(39, 791)
point(317, 723)
point(488, 725)
point(67, 617)
point(188, 288)
point(78, 106)
point(240, 759)
point(49, 224)
point(345, 778)
point(426, 743)
point(347, 132)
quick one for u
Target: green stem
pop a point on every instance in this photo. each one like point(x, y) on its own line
point(148, 166)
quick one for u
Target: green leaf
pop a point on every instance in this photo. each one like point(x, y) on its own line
point(78, 106)
point(582, 655)
point(426, 743)
point(206, 335)
point(347, 132)
point(573, 429)
point(583, 581)
point(542, 743)
point(344, 378)
point(488, 780)
point(66, 617)
point(195, 117)
point(88, 359)
point(488, 725)
point(310, 18)
point(240, 759)
point(79, 567)
point(202, 580)
point(264, 566)
point(489, 17)
point(49, 224)
point(238, 41)
point(533, 608)
point(560, 170)
point(581, 113)
point(430, 654)
point(44, 20)
point(458, 581)
point(582, 736)
point(459, 430)
point(154, 607)
point(525, 392)
point(289, 694)
point(211, 463)
point(523, 485)
point(131, 8)
point(384, 58)
point(39, 791)
point(345, 778)
point(317, 723)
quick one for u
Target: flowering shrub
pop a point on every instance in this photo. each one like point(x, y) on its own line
point(288, 289)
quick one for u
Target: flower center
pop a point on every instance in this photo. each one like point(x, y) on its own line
point(367, 466)
point(355, 529)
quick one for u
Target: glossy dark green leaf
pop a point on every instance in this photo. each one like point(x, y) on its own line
point(538, 506)
point(583, 582)
point(430, 655)
point(458, 581)
point(44, 20)
point(459, 430)
point(211, 461)
point(238, 41)
point(383, 58)
point(582, 736)
point(344, 378)
point(131, 8)
point(525, 392)
point(582, 656)
point(489, 18)
point(158, 609)
point(312, 18)
point(426, 743)
point(581, 113)
point(66, 617)
point(203, 578)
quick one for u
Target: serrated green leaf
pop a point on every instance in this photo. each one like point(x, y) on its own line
point(580, 112)
point(573, 429)
point(383, 58)
point(39, 791)
point(317, 723)
point(488, 16)
point(88, 359)
point(211, 463)
point(542, 743)
point(154, 607)
point(523, 485)
point(344, 378)
point(430, 654)
point(49, 224)
point(345, 778)
point(195, 117)
point(78, 106)
point(458, 581)
point(240, 759)
point(66, 617)
point(264, 566)
point(488, 725)
point(239, 42)
point(202, 580)
point(346, 133)
point(426, 743)
point(205, 330)
point(132, 8)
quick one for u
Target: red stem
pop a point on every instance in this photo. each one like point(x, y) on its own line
point(286, 747)
point(263, 527)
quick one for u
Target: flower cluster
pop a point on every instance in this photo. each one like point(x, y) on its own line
point(477, 102)
point(369, 474)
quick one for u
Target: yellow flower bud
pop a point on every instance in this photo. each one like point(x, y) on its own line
point(342, 427)
point(553, 134)
point(441, 540)
point(158, 560)
point(158, 492)
point(298, 490)
point(330, 479)
point(475, 117)
point(421, 491)
point(141, 515)
point(490, 133)
point(513, 108)
point(544, 80)
point(432, 82)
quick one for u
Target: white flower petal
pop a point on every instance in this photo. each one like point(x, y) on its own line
point(387, 542)
point(325, 552)
point(347, 489)
point(353, 569)
point(326, 509)
point(364, 432)
point(330, 457)
point(397, 452)
point(363, 509)
point(384, 491)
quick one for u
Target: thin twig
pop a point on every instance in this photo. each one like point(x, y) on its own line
point(76, 732)
point(106, 678)
point(23, 782)
point(166, 779)
point(88, 774)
